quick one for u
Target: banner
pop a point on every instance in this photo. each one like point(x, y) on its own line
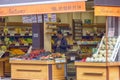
point(43, 8)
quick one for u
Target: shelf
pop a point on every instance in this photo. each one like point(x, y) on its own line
point(17, 24)
point(58, 24)
point(78, 29)
point(78, 32)
point(50, 33)
point(88, 44)
point(51, 28)
point(16, 35)
point(98, 25)
point(19, 45)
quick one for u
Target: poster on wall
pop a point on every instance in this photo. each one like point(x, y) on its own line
point(39, 18)
point(29, 19)
point(53, 18)
point(32, 19)
point(46, 18)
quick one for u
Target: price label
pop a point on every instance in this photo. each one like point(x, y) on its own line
point(30, 34)
point(72, 58)
point(17, 44)
point(11, 34)
point(26, 44)
point(22, 34)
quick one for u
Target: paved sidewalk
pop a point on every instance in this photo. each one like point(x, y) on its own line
point(5, 79)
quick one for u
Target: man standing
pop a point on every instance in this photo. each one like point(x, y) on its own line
point(60, 44)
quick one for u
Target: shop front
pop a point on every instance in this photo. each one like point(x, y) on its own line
point(38, 62)
point(105, 63)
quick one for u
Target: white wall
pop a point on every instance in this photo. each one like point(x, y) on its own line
point(99, 19)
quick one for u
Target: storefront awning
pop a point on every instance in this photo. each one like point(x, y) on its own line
point(28, 7)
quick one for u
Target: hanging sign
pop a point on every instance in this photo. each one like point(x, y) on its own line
point(43, 8)
point(107, 11)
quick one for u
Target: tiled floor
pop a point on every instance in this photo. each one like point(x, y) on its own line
point(5, 79)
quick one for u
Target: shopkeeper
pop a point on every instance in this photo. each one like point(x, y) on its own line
point(60, 44)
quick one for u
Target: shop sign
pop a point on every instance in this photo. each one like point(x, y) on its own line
point(107, 11)
point(43, 8)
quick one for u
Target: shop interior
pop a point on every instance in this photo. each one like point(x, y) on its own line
point(82, 30)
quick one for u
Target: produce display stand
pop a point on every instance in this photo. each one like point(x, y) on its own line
point(36, 69)
point(97, 71)
point(2, 66)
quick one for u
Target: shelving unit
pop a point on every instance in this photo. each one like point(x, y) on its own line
point(53, 27)
point(15, 31)
point(71, 71)
point(77, 29)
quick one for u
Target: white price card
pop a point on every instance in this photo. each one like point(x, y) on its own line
point(72, 58)
point(30, 34)
point(35, 35)
point(26, 44)
point(11, 34)
point(22, 34)
point(111, 32)
point(17, 44)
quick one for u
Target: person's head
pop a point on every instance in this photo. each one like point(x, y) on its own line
point(59, 34)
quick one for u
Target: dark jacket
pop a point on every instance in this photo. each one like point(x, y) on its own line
point(63, 45)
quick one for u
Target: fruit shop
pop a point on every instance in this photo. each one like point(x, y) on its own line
point(28, 33)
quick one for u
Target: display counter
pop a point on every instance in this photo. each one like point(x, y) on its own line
point(97, 71)
point(2, 66)
point(36, 69)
